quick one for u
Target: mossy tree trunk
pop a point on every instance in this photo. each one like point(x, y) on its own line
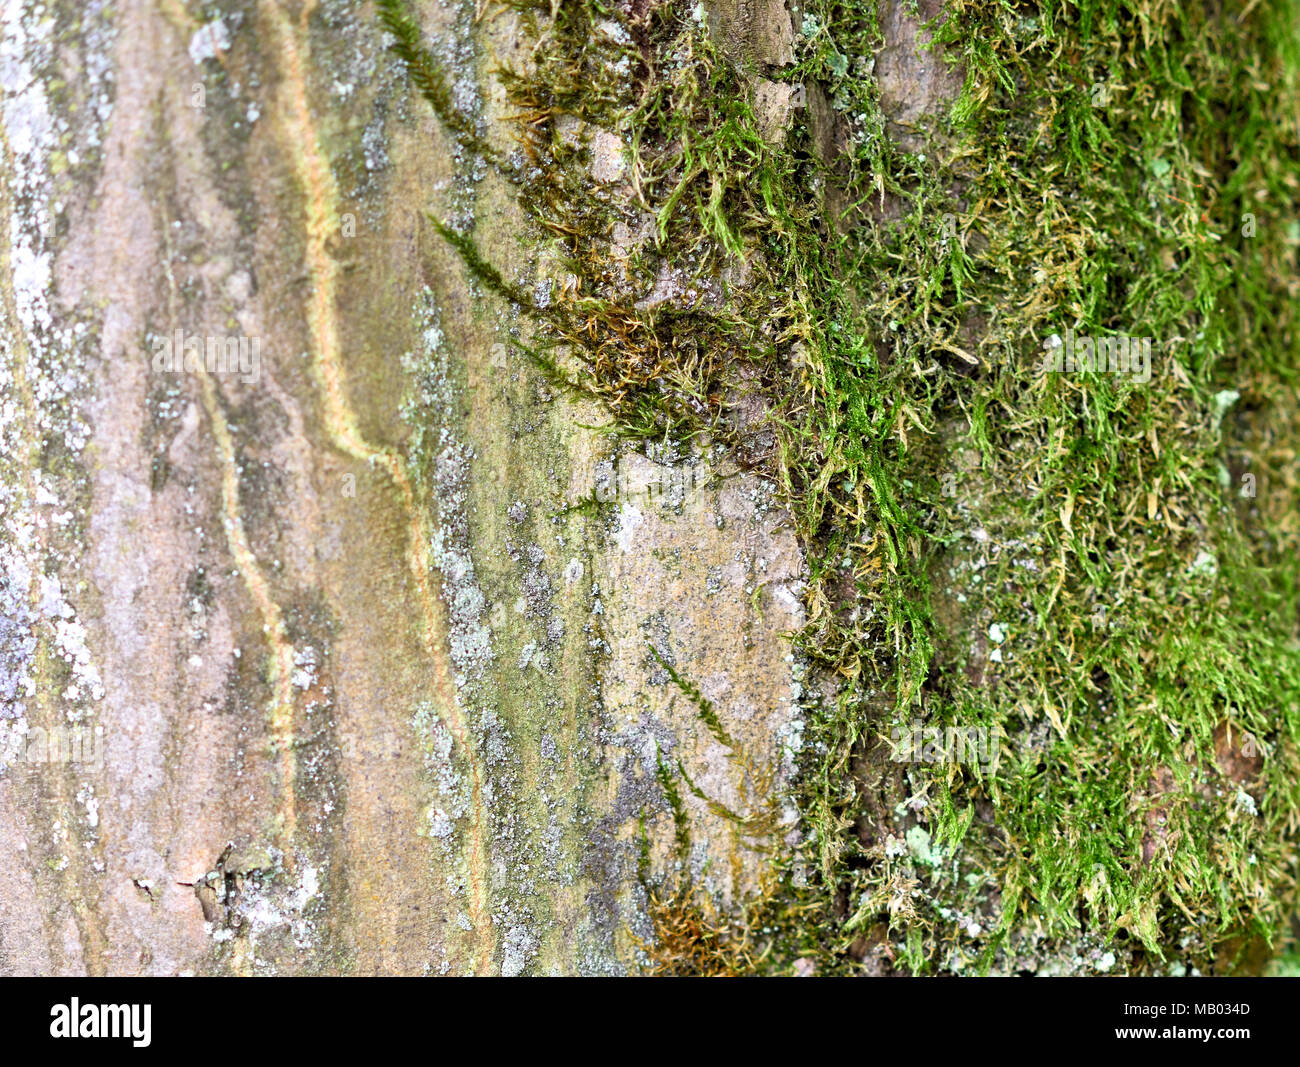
point(638, 433)
point(375, 688)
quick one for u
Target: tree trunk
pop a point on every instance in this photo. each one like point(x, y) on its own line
point(373, 694)
point(424, 427)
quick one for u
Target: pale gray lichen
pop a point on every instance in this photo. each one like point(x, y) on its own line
point(44, 369)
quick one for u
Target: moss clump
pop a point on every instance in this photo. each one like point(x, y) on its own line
point(1076, 565)
point(692, 939)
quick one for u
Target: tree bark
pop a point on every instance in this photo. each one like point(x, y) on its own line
point(375, 695)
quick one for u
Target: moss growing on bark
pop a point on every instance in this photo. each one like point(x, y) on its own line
point(1093, 572)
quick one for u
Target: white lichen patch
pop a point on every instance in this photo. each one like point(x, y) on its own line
point(265, 904)
point(431, 409)
point(519, 947)
point(209, 41)
point(43, 370)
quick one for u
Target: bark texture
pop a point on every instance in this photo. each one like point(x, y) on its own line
point(374, 695)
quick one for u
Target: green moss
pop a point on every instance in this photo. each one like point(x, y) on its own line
point(681, 819)
point(1109, 166)
point(704, 707)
